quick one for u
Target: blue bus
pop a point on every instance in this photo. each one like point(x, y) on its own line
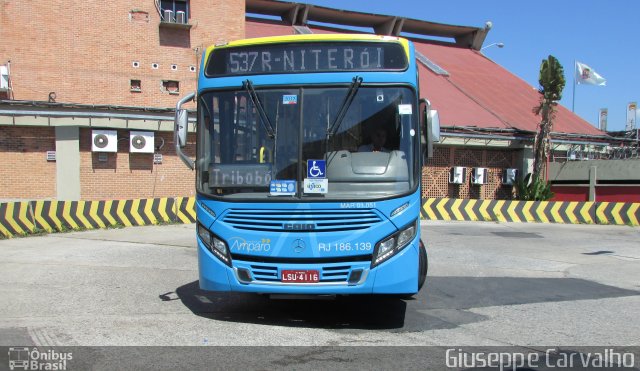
point(308, 165)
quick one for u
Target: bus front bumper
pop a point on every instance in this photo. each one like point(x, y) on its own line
point(398, 275)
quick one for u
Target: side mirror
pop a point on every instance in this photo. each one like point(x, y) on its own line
point(430, 126)
point(433, 131)
point(181, 122)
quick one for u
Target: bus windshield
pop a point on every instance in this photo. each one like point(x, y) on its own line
point(369, 151)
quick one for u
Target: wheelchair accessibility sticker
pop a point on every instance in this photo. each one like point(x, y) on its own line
point(316, 169)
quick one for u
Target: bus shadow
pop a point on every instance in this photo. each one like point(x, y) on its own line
point(357, 312)
point(444, 303)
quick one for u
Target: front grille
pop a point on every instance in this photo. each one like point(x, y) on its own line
point(269, 273)
point(301, 220)
point(335, 274)
point(265, 273)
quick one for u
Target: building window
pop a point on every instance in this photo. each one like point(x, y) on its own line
point(174, 6)
point(171, 86)
point(136, 85)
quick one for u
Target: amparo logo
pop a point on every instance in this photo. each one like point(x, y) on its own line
point(240, 244)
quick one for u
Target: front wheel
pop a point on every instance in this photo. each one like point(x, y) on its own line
point(423, 265)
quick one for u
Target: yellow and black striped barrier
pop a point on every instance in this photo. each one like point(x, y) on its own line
point(618, 213)
point(26, 217)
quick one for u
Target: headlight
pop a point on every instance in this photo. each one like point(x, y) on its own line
point(391, 245)
point(217, 246)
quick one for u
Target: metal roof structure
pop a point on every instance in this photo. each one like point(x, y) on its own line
point(297, 14)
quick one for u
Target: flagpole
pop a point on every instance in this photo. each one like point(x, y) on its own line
point(573, 103)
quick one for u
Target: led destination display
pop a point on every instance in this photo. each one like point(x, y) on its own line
point(306, 57)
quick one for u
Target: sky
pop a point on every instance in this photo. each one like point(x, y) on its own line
point(601, 34)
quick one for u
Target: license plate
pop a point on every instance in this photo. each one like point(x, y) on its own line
point(304, 276)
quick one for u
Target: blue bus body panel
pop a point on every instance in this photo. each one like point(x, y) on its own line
point(334, 254)
point(337, 238)
point(397, 275)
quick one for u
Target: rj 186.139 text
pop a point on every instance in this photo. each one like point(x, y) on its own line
point(344, 246)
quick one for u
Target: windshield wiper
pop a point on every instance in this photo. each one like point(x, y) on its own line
point(248, 86)
point(353, 89)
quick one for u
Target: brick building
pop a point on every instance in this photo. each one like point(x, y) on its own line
point(79, 66)
point(75, 66)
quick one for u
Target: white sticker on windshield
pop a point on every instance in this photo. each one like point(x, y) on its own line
point(289, 99)
point(282, 188)
point(404, 109)
point(315, 185)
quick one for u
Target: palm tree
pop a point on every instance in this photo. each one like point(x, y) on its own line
point(551, 85)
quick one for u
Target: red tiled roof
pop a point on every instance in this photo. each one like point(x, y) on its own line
point(495, 98)
point(477, 93)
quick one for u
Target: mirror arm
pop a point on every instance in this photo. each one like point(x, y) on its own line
point(187, 161)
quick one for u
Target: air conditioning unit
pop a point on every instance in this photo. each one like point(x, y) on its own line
point(181, 17)
point(167, 16)
point(104, 141)
point(141, 142)
point(479, 175)
point(458, 175)
point(4, 78)
point(509, 176)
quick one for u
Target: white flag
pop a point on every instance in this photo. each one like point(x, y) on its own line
point(586, 75)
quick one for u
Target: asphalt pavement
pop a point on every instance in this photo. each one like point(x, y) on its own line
point(489, 284)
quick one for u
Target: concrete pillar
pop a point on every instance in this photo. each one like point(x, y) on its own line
point(68, 163)
point(592, 182)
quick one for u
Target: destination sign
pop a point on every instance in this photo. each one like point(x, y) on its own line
point(306, 58)
point(239, 175)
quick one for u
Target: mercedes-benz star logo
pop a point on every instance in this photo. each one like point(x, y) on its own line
point(298, 245)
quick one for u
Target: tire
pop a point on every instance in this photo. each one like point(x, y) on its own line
point(423, 265)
